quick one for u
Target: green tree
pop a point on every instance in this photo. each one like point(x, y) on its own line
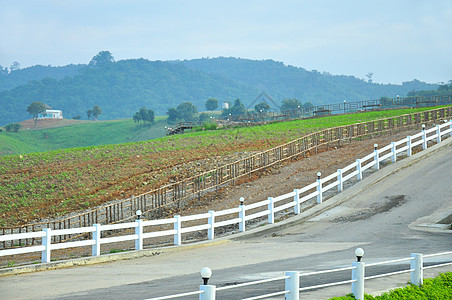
point(34, 109)
point(262, 107)
point(145, 115)
point(237, 109)
point(96, 111)
point(211, 104)
point(89, 113)
point(102, 58)
point(186, 111)
point(172, 115)
point(290, 104)
point(13, 127)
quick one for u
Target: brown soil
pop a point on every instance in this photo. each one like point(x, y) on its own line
point(50, 123)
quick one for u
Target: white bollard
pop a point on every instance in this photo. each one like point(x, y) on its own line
point(271, 210)
point(209, 292)
point(296, 199)
point(177, 227)
point(46, 242)
point(438, 133)
point(394, 152)
point(424, 137)
point(292, 284)
point(242, 215)
point(417, 276)
point(340, 186)
point(450, 121)
point(139, 233)
point(359, 169)
point(408, 143)
point(319, 188)
point(211, 230)
point(376, 157)
point(358, 275)
point(95, 248)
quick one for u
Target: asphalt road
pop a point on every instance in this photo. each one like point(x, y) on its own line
point(388, 217)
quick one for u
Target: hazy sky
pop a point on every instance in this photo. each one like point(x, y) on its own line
point(396, 40)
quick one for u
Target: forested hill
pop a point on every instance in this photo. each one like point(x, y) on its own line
point(282, 81)
point(121, 88)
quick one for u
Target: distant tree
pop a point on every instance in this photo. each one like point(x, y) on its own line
point(172, 115)
point(262, 107)
point(89, 113)
point(102, 58)
point(237, 109)
point(13, 127)
point(145, 115)
point(34, 109)
point(14, 66)
point(290, 104)
point(203, 117)
point(307, 105)
point(96, 111)
point(137, 117)
point(186, 111)
point(369, 77)
point(211, 104)
point(77, 117)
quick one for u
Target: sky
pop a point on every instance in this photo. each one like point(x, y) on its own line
point(396, 40)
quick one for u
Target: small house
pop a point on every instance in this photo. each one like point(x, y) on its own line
point(51, 114)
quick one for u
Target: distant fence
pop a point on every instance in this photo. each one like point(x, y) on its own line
point(206, 223)
point(174, 194)
point(338, 108)
point(292, 289)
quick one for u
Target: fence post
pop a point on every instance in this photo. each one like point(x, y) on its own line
point(95, 249)
point(340, 186)
point(296, 199)
point(209, 292)
point(438, 133)
point(408, 143)
point(450, 121)
point(292, 284)
point(358, 275)
point(394, 153)
point(139, 232)
point(376, 158)
point(424, 137)
point(359, 169)
point(417, 264)
point(319, 188)
point(211, 230)
point(46, 242)
point(271, 208)
point(242, 215)
point(177, 227)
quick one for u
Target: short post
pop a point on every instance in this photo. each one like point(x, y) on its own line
point(271, 208)
point(242, 215)
point(424, 137)
point(296, 199)
point(208, 290)
point(319, 188)
point(177, 228)
point(340, 186)
point(292, 284)
point(211, 230)
point(376, 158)
point(450, 121)
point(46, 242)
point(359, 169)
point(95, 249)
point(358, 275)
point(438, 134)
point(139, 233)
point(408, 144)
point(417, 276)
point(394, 153)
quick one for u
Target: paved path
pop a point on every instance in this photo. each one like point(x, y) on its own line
point(386, 214)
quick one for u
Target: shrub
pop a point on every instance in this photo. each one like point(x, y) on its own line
point(13, 127)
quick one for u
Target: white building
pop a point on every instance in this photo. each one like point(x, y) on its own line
point(51, 114)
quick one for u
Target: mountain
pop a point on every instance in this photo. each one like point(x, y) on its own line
point(121, 88)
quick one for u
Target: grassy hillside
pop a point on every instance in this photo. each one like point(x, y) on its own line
point(82, 135)
point(47, 184)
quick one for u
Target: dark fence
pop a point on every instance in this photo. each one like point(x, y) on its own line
point(175, 194)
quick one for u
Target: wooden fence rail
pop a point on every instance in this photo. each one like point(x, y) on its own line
point(175, 194)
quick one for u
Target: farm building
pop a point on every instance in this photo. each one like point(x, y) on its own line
point(51, 114)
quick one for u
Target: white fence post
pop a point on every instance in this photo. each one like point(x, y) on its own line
point(424, 137)
point(209, 292)
point(438, 132)
point(46, 242)
point(292, 284)
point(211, 230)
point(417, 276)
point(394, 152)
point(376, 158)
point(450, 121)
point(95, 249)
point(359, 169)
point(139, 232)
point(296, 199)
point(408, 144)
point(358, 275)
point(271, 208)
point(340, 186)
point(242, 215)
point(319, 188)
point(177, 227)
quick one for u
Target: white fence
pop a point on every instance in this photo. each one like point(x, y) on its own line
point(292, 287)
point(142, 229)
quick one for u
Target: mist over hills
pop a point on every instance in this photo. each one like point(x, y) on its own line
point(121, 88)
